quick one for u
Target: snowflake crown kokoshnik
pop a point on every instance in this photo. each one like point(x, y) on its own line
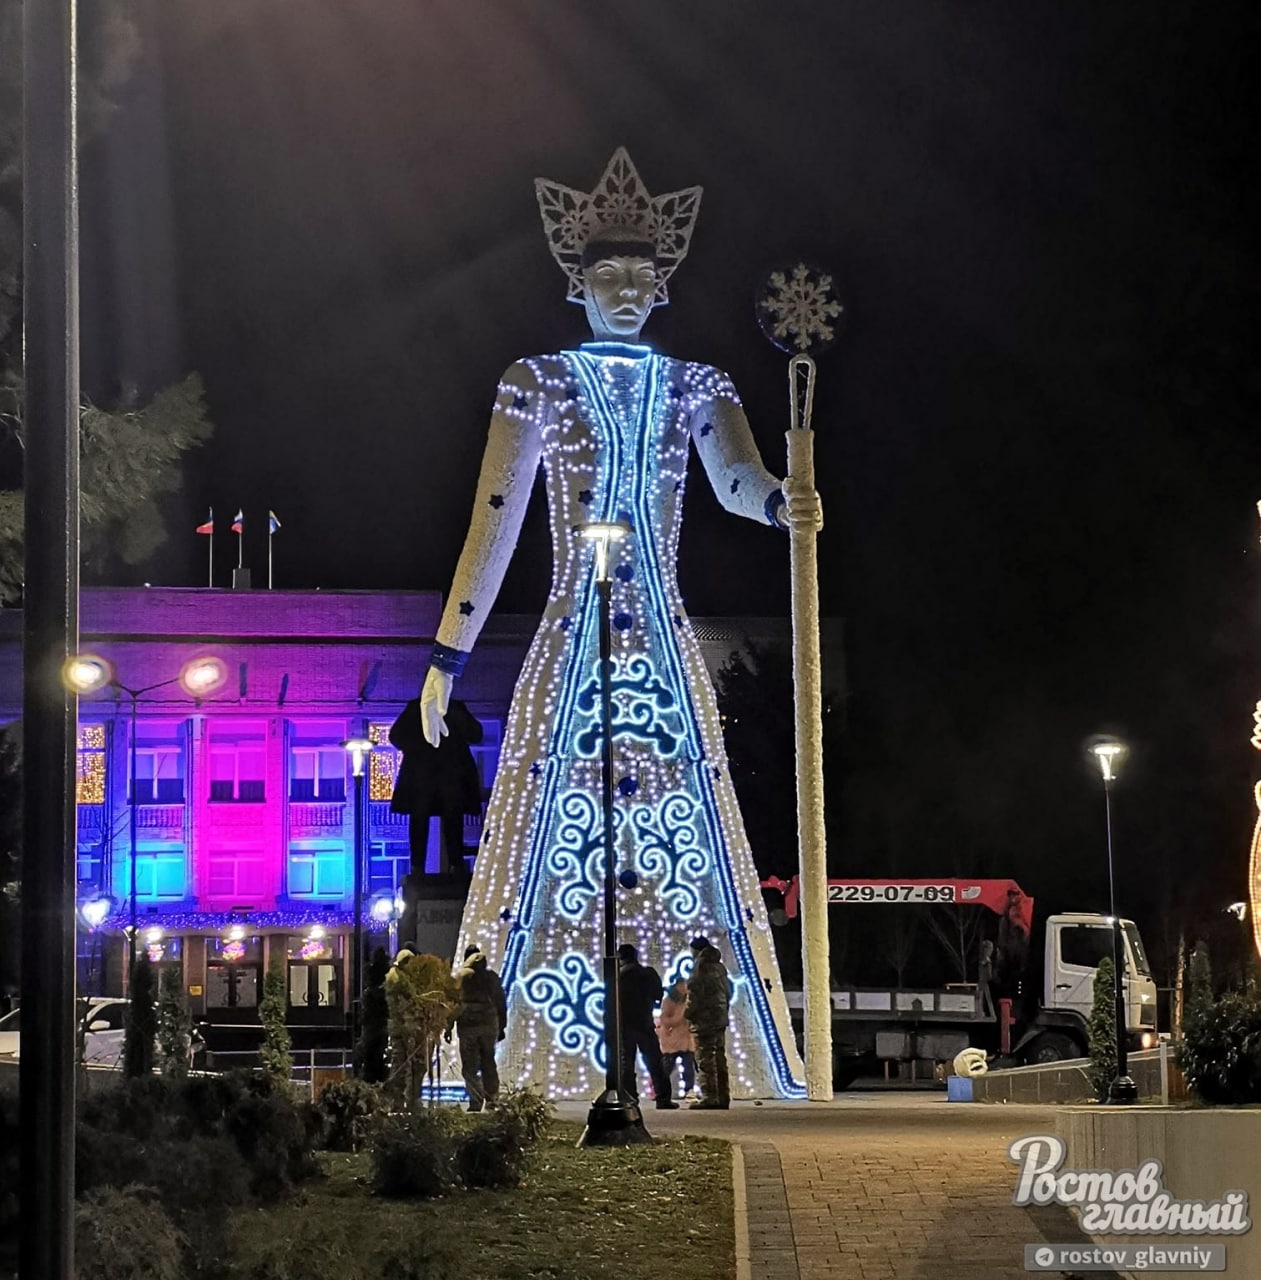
point(619, 202)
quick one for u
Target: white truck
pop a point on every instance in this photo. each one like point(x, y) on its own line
point(1028, 1003)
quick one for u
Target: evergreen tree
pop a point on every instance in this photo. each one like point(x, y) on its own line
point(1199, 980)
point(1101, 1030)
point(276, 1058)
point(174, 1023)
point(128, 459)
point(142, 1021)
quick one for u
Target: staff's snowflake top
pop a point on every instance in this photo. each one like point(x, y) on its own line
point(798, 310)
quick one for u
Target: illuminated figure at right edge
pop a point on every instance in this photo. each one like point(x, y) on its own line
point(612, 423)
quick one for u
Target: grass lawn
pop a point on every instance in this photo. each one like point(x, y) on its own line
point(582, 1215)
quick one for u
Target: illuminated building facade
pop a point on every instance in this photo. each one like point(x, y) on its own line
point(244, 823)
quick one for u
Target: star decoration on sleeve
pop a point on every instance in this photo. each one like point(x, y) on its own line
point(585, 497)
point(496, 500)
point(707, 428)
point(735, 485)
point(466, 608)
point(519, 402)
point(566, 622)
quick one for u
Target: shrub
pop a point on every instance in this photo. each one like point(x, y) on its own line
point(530, 1112)
point(413, 1154)
point(423, 997)
point(125, 1235)
point(174, 1023)
point(276, 1058)
point(1220, 1052)
point(1101, 1030)
point(272, 1134)
point(497, 1152)
point(142, 1021)
point(347, 1110)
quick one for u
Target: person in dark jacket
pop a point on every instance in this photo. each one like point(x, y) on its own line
point(437, 781)
point(639, 990)
point(708, 998)
point(480, 1024)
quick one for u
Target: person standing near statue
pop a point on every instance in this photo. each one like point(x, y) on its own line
point(708, 999)
point(639, 990)
point(480, 1025)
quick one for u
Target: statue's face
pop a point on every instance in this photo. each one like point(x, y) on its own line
point(619, 294)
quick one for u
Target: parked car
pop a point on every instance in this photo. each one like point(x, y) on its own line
point(103, 1023)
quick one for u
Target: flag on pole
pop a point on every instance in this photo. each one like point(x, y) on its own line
point(238, 522)
point(209, 526)
point(272, 523)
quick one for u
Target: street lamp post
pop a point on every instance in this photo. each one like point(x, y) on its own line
point(358, 748)
point(87, 673)
point(613, 1120)
point(1109, 754)
point(386, 909)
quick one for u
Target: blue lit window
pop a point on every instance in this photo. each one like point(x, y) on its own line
point(160, 874)
point(388, 862)
point(318, 871)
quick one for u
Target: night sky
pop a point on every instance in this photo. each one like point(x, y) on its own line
point(1036, 441)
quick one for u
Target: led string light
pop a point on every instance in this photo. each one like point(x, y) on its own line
point(613, 431)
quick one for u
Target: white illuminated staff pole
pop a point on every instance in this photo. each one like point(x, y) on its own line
point(798, 312)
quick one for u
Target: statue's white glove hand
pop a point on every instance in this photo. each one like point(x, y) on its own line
point(435, 697)
point(803, 508)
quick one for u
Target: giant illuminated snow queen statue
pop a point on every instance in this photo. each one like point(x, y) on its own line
point(612, 422)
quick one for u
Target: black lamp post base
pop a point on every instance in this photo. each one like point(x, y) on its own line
point(614, 1121)
point(1122, 1091)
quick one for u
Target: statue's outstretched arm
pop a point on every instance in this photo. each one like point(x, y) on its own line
point(503, 493)
point(734, 467)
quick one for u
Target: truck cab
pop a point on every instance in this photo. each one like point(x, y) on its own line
point(1076, 943)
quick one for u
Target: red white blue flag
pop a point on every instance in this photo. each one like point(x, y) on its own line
point(238, 522)
point(272, 523)
point(209, 526)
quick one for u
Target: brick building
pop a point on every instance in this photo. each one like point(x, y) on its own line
point(244, 819)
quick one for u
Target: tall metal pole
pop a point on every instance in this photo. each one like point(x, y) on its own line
point(612, 997)
point(1122, 1089)
point(50, 313)
point(613, 1119)
point(356, 960)
point(808, 686)
point(132, 826)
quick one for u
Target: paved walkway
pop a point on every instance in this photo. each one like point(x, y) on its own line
point(881, 1187)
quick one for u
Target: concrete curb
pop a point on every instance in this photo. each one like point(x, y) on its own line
point(744, 1268)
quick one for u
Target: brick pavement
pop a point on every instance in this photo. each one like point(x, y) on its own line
point(893, 1187)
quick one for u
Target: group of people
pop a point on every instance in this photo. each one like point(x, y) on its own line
point(689, 1033)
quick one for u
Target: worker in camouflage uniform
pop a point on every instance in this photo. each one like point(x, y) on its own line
point(708, 996)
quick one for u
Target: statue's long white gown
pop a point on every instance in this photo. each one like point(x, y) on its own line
point(611, 424)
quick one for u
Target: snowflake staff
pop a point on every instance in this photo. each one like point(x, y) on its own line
point(799, 313)
point(612, 423)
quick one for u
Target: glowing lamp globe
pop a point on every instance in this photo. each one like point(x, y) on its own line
point(86, 673)
point(382, 908)
point(202, 676)
point(94, 911)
